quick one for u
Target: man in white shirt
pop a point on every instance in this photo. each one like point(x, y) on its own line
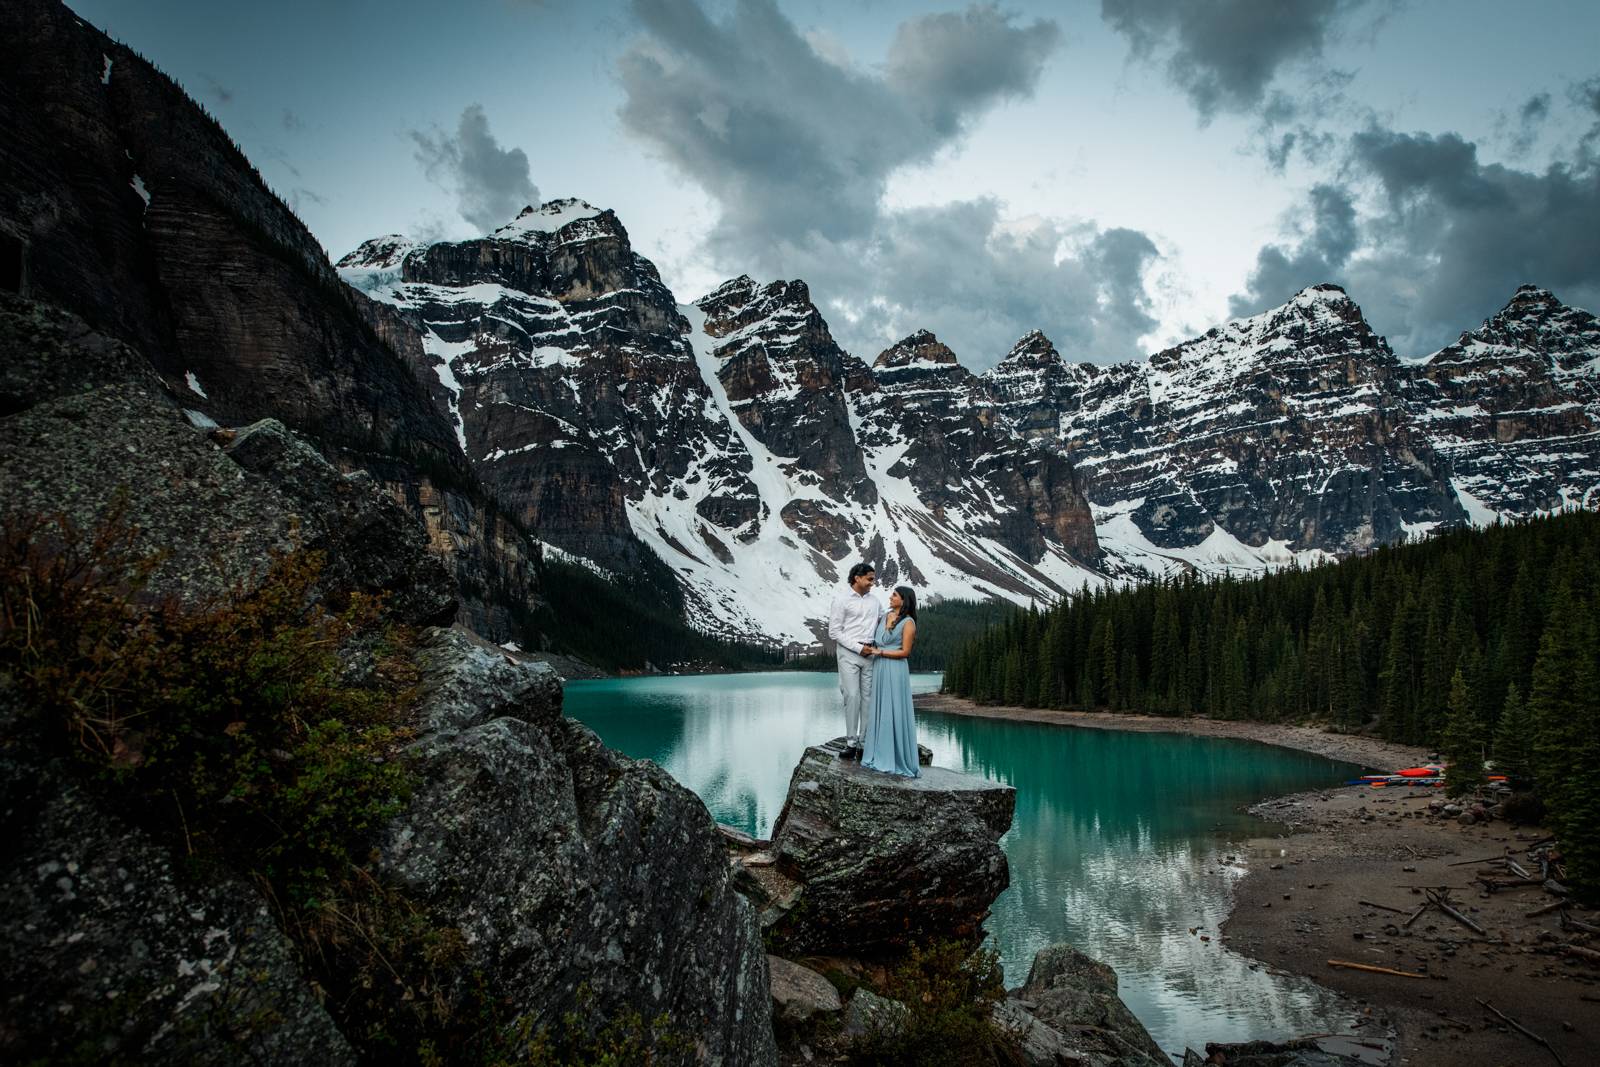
point(852, 626)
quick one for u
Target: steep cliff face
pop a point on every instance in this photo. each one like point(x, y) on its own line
point(561, 361)
point(1515, 407)
point(1033, 386)
point(784, 377)
point(128, 205)
point(935, 427)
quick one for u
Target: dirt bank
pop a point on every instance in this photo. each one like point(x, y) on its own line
point(1301, 905)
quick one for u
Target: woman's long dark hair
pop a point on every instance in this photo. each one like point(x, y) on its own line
point(908, 602)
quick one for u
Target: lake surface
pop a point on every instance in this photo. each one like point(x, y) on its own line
point(1122, 842)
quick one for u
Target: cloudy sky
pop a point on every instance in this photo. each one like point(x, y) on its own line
point(1122, 174)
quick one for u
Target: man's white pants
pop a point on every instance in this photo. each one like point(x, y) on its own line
point(855, 685)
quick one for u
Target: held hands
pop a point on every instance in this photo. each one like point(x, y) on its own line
point(869, 650)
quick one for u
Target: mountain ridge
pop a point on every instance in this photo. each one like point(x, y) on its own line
point(1292, 435)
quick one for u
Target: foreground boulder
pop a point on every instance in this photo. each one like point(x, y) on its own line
point(799, 993)
point(581, 880)
point(1037, 1044)
point(879, 860)
point(112, 953)
point(1076, 995)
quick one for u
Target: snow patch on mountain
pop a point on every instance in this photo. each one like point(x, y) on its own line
point(540, 221)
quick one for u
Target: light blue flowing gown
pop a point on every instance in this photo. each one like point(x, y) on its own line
point(891, 741)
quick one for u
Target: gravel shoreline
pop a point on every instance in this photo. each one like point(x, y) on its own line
point(1309, 893)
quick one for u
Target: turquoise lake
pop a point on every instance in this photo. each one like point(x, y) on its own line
point(1122, 842)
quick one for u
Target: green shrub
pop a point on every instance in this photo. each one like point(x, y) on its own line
point(950, 993)
point(261, 732)
point(583, 1039)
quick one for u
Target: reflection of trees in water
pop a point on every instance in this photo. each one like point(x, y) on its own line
point(1113, 851)
point(733, 739)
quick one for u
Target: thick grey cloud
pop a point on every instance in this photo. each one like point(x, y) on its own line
point(797, 147)
point(951, 66)
point(1319, 256)
point(793, 144)
point(1226, 54)
point(1447, 238)
point(491, 183)
point(980, 282)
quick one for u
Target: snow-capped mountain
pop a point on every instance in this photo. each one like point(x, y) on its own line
point(732, 437)
point(735, 439)
point(1297, 435)
point(1515, 407)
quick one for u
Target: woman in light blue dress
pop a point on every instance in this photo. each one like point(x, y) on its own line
point(891, 740)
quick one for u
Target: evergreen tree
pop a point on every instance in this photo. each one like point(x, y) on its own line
point(1110, 669)
point(1512, 755)
point(1463, 739)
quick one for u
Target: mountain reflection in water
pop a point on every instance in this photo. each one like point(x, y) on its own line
point(1119, 847)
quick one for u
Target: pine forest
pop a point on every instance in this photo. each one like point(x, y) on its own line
point(1483, 644)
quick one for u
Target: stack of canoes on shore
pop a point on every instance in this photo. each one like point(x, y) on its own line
point(1430, 774)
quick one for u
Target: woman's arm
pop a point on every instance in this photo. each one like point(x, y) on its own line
point(906, 641)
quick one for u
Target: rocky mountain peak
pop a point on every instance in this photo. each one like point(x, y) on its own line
point(1032, 350)
point(1533, 326)
point(743, 302)
point(1318, 335)
point(536, 224)
point(378, 253)
point(1529, 294)
point(920, 349)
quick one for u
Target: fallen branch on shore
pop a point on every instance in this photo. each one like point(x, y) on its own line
point(1442, 902)
point(1382, 907)
point(1440, 898)
point(1569, 923)
point(1509, 1021)
point(1351, 966)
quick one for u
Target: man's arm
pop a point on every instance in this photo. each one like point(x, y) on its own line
point(836, 621)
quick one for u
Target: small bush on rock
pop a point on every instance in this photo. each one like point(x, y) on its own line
point(260, 733)
point(950, 993)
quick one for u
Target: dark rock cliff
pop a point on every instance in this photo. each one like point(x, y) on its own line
point(577, 881)
point(122, 201)
point(566, 865)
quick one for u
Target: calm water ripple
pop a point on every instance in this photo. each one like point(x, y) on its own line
point(1122, 842)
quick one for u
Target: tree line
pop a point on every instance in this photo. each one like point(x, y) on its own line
point(1483, 643)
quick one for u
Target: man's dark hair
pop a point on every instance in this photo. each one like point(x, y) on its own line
point(858, 570)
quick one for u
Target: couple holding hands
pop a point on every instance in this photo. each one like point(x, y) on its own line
point(873, 649)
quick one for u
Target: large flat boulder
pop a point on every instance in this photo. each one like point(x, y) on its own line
point(883, 859)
